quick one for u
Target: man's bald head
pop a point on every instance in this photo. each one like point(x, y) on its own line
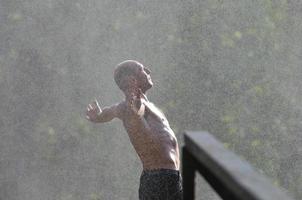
point(123, 71)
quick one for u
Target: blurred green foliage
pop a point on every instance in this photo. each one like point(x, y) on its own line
point(232, 61)
point(231, 68)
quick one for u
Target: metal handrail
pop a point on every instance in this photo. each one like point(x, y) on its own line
point(231, 177)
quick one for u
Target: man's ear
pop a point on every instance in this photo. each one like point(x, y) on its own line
point(129, 82)
point(132, 80)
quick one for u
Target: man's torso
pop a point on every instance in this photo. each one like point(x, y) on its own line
point(156, 146)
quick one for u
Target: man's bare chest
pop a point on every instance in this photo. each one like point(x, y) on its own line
point(154, 116)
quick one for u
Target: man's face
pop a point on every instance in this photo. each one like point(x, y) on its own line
point(144, 78)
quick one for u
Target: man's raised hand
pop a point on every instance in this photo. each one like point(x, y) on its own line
point(135, 98)
point(93, 111)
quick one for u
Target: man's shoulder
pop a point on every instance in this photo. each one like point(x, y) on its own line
point(120, 109)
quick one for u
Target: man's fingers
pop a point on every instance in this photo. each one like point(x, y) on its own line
point(132, 103)
point(91, 108)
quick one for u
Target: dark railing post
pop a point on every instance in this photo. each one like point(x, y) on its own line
point(188, 172)
point(231, 177)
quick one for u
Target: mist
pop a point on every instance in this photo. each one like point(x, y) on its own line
point(230, 68)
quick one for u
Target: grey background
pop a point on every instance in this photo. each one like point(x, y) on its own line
point(232, 68)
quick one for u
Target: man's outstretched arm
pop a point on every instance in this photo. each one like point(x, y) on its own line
point(95, 114)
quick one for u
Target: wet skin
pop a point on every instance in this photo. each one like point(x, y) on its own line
point(147, 127)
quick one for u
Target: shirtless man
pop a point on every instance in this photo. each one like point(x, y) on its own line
point(149, 132)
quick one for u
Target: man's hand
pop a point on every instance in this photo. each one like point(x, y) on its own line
point(135, 98)
point(93, 111)
point(137, 104)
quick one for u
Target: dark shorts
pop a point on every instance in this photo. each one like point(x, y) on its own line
point(160, 184)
